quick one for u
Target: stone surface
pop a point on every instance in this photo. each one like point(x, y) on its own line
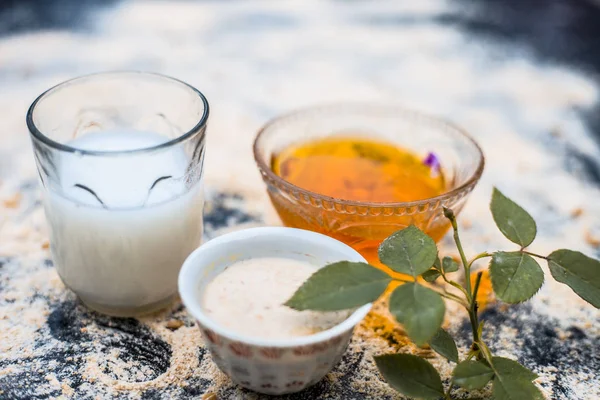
point(518, 75)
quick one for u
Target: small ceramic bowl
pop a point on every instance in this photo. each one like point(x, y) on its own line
point(270, 366)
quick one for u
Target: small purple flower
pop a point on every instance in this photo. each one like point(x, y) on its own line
point(432, 162)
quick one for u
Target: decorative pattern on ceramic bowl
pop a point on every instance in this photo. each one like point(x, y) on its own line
point(270, 366)
point(275, 370)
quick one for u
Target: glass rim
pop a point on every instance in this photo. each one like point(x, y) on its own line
point(404, 112)
point(38, 135)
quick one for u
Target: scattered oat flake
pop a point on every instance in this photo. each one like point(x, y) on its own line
point(174, 324)
point(577, 212)
point(13, 202)
point(591, 239)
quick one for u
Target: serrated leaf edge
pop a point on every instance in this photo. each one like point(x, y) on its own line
point(453, 342)
point(491, 370)
point(434, 389)
point(521, 242)
point(524, 300)
point(290, 302)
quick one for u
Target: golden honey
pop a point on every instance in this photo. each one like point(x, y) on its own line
point(360, 170)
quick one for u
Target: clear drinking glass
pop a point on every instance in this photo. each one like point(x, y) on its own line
point(120, 159)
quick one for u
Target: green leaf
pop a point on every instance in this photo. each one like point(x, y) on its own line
point(340, 286)
point(472, 374)
point(580, 272)
point(516, 276)
point(514, 222)
point(503, 389)
point(437, 264)
point(444, 345)
point(431, 275)
point(410, 375)
point(512, 381)
point(409, 251)
point(419, 309)
point(511, 368)
point(449, 264)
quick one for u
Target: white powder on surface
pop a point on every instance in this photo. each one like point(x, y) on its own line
point(248, 298)
point(257, 59)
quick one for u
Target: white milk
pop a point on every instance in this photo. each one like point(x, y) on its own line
point(248, 297)
point(123, 257)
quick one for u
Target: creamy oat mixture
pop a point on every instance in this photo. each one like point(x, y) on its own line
point(248, 297)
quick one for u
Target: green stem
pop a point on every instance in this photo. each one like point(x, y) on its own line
point(479, 256)
point(450, 215)
point(471, 355)
point(403, 280)
point(447, 392)
point(534, 255)
point(476, 289)
point(453, 297)
point(485, 351)
point(442, 293)
point(455, 284)
point(479, 348)
point(473, 317)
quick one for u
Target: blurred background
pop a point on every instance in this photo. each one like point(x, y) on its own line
point(520, 75)
point(531, 63)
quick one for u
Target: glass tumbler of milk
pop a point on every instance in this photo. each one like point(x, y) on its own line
point(120, 158)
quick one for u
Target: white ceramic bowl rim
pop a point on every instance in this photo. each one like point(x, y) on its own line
point(187, 286)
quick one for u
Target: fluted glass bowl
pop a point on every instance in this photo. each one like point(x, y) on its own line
point(363, 225)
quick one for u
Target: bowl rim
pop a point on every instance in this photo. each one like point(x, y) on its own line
point(400, 110)
point(187, 285)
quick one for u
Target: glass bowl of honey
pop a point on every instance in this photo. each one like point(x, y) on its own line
point(360, 172)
